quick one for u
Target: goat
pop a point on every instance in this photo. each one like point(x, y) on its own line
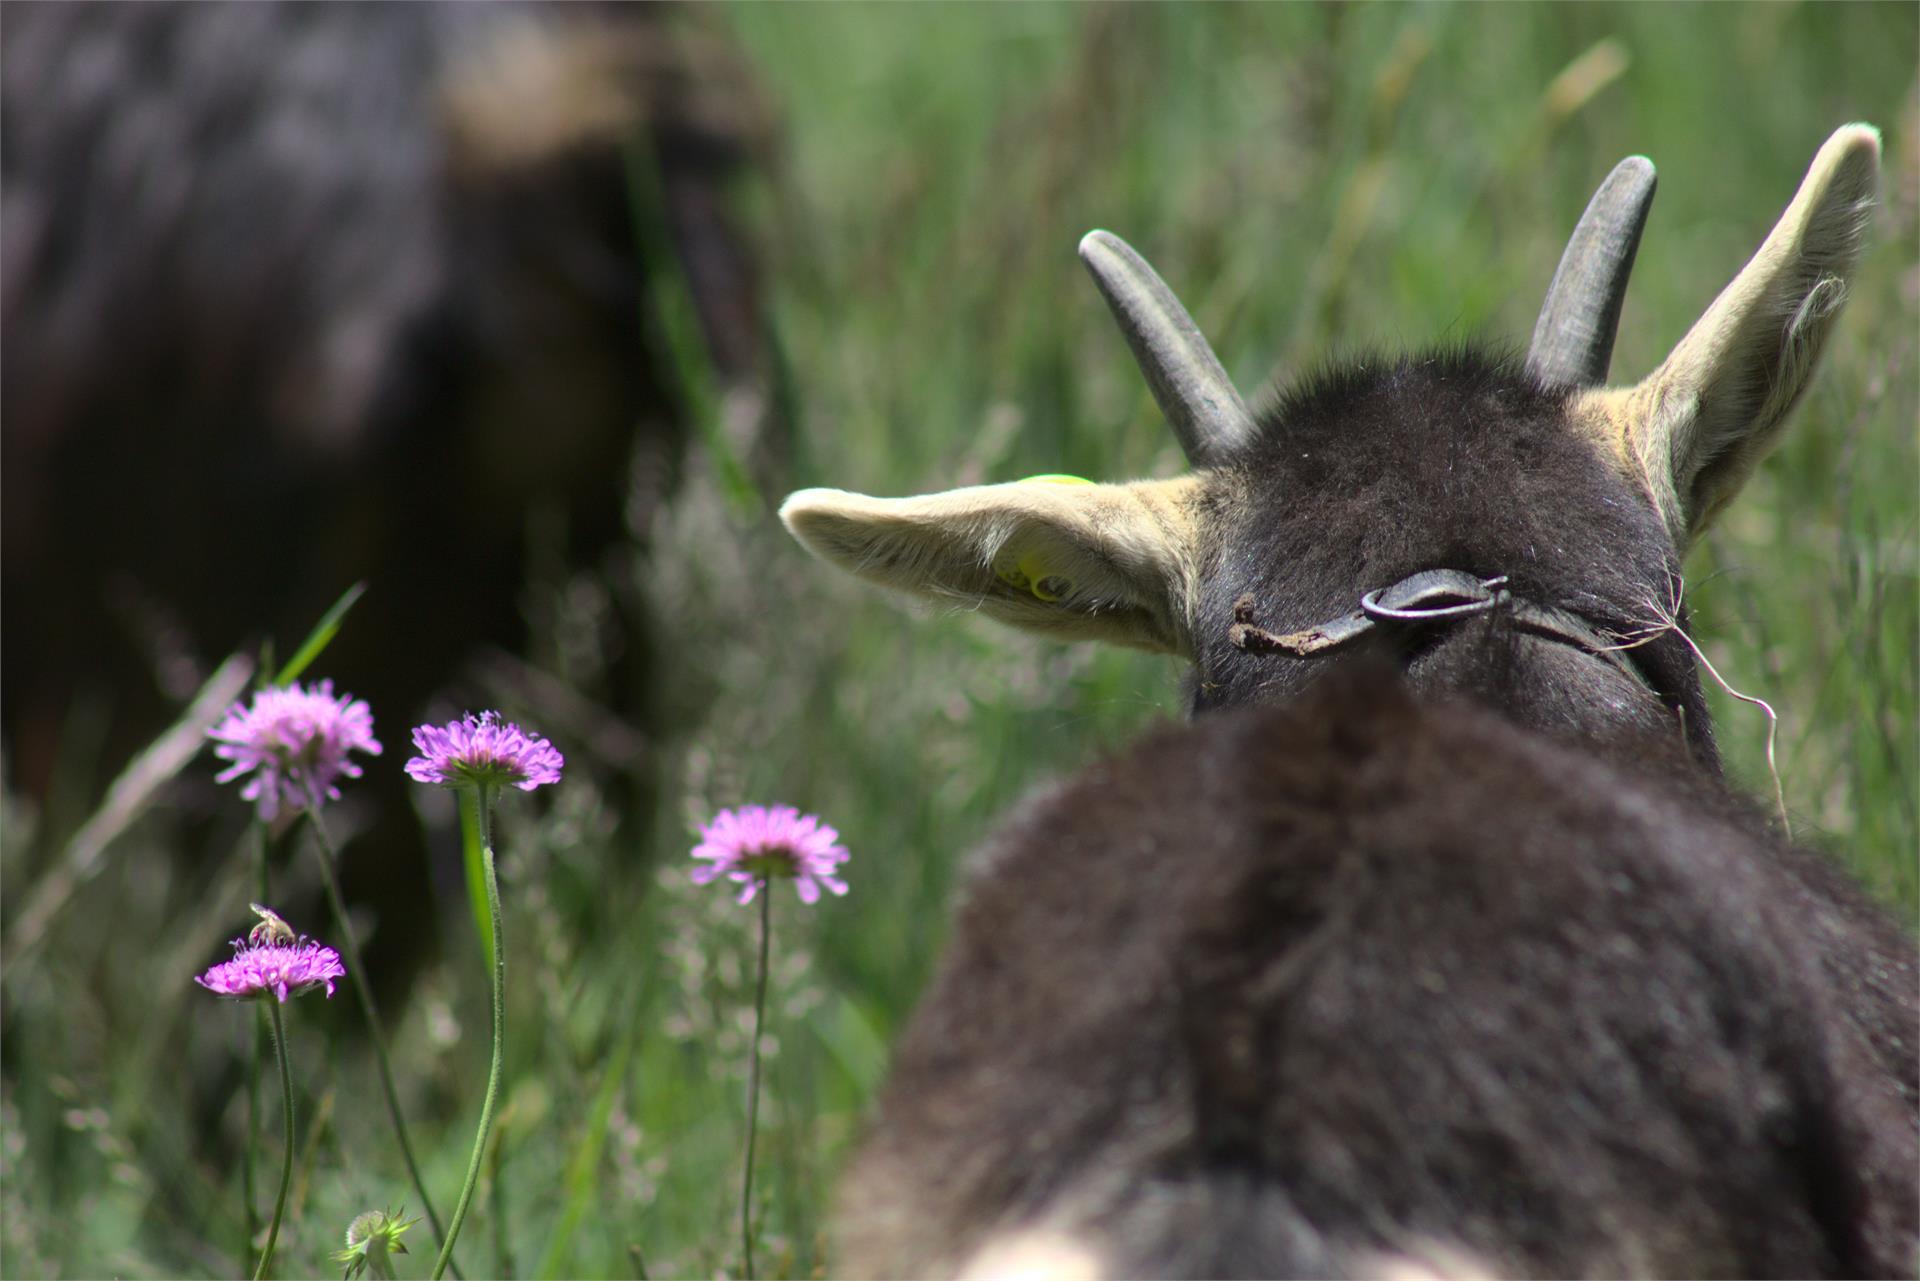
point(1435, 944)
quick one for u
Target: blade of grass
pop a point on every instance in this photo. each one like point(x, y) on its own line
point(669, 301)
point(582, 1185)
point(473, 858)
point(127, 799)
point(320, 637)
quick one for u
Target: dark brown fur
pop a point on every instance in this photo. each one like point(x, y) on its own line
point(1453, 942)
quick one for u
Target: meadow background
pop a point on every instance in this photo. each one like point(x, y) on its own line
point(1308, 179)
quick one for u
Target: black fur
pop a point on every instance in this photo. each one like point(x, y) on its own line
point(1376, 468)
point(1454, 944)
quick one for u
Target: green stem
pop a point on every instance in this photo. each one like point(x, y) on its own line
point(502, 1251)
point(263, 886)
point(482, 798)
point(753, 1079)
point(286, 1159)
point(356, 975)
point(249, 1181)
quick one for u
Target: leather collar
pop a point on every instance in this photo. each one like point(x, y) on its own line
point(1426, 599)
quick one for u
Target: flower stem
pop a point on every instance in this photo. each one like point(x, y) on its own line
point(248, 1179)
point(482, 799)
point(356, 974)
point(753, 1080)
point(502, 1251)
point(286, 1159)
point(263, 886)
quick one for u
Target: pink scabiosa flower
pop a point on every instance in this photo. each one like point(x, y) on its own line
point(273, 960)
point(759, 843)
point(753, 846)
point(284, 967)
point(479, 755)
point(295, 744)
point(483, 751)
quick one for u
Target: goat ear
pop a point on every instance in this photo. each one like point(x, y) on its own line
point(1695, 428)
point(1055, 555)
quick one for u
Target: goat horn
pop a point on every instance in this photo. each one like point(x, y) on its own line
point(1193, 391)
point(1573, 339)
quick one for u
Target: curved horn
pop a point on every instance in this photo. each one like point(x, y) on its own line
point(1193, 391)
point(1573, 339)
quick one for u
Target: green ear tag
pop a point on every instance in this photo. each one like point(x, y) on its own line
point(1059, 478)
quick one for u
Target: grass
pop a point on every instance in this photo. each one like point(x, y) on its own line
point(1309, 179)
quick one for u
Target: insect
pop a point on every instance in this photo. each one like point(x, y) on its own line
point(272, 931)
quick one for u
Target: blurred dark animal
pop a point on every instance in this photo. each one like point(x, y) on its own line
point(301, 294)
point(1435, 945)
point(297, 294)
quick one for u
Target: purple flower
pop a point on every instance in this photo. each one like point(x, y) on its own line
point(294, 742)
point(483, 751)
point(757, 843)
point(282, 968)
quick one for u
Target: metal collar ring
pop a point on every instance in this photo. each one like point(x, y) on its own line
point(1434, 595)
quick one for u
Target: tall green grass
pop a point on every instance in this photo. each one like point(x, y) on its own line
point(1309, 179)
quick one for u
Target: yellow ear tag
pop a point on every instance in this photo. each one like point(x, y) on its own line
point(1029, 574)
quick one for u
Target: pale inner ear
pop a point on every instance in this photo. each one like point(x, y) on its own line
point(1694, 429)
point(1064, 558)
